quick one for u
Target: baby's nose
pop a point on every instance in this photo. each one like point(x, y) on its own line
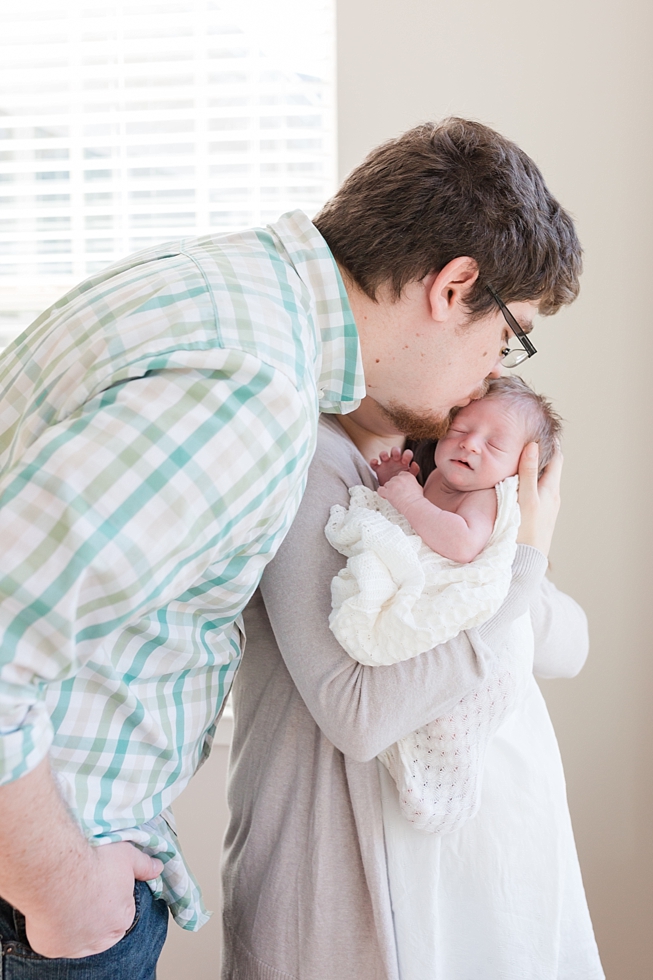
point(471, 443)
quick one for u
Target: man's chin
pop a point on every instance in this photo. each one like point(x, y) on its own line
point(417, 425)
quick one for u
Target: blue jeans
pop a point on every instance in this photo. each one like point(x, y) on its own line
point(133, 958)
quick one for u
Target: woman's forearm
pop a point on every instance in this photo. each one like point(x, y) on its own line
point(361, 709)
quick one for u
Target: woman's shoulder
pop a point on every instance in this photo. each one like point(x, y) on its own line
point(331, 433)
point(336, 455)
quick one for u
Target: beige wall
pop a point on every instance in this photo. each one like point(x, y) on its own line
point(570, 81)
point(201, 814)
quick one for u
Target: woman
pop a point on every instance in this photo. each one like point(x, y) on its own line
point(306, 893)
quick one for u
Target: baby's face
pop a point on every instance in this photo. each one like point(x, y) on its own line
point(483, 445)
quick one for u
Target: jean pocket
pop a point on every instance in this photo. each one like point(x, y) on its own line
point(21, 932)
point(138, 886)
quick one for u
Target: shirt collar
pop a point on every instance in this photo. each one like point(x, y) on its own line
point(341, 382)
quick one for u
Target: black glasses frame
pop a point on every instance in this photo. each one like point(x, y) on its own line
point(521, 336)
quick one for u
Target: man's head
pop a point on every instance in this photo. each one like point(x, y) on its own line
point(486, 439)
point(419, 230)
point(450, 189)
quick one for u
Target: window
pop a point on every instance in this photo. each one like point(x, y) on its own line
point(196, 117)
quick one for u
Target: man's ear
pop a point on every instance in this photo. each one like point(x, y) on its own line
point(451, 286)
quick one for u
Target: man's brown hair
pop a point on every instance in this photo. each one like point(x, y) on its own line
point(449, 189)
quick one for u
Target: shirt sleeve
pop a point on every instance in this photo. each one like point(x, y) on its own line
point(362, 710)
point(119, 509)
point(561, 635)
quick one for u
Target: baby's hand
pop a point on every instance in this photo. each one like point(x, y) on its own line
point(402, 491)
point(392, 463)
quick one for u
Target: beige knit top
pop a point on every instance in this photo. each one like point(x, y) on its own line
point(305, 880)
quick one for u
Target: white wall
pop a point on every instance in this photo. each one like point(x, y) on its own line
point(570, 81)
point(201, 814)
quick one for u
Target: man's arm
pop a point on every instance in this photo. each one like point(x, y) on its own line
point(77, 900)
point(114, 512)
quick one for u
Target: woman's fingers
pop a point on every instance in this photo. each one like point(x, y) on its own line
point(550, 479)
point(528, 469)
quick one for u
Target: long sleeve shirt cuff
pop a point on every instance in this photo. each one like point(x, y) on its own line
point(528, 570)
point(23, 747)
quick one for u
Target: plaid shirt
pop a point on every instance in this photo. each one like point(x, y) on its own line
point(157, 427)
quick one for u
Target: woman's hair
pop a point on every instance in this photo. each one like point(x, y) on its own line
point(544, 424)
point(450, 189)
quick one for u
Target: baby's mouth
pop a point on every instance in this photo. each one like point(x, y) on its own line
point(462, 462)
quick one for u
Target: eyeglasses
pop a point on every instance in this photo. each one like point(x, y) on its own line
point(511, 358)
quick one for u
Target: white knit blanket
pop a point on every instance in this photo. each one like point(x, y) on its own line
point(439, 768)
point(396, 599)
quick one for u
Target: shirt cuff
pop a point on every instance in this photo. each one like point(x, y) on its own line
point(528, 570)
point(24, 747)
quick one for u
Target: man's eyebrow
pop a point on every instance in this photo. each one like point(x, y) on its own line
point(527, 326)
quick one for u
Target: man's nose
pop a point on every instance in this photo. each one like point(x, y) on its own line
point(498, 371)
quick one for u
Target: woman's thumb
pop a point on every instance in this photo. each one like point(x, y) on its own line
point(528, 462)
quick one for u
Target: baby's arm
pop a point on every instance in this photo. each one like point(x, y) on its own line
point(396, 461)
point(460, 536)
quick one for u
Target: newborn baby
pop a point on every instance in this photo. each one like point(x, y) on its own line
point(454, 513)
point(400, 595)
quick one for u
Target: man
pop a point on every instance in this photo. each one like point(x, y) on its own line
point(158, 424)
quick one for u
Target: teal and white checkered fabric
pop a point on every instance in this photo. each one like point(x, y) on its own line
point(157, 426)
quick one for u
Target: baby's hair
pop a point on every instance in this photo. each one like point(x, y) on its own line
point(545, 425)
point(544, 429)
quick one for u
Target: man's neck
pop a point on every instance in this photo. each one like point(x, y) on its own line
point(370, 431)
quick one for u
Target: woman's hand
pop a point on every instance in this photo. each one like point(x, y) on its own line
point(539, 501)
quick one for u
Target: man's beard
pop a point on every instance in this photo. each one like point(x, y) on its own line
point(425, 425)
point(417, 425)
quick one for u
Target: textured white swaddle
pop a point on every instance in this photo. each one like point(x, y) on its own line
point(395, 599)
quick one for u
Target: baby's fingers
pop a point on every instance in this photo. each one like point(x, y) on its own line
point(383, 458)
point(407, 460)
